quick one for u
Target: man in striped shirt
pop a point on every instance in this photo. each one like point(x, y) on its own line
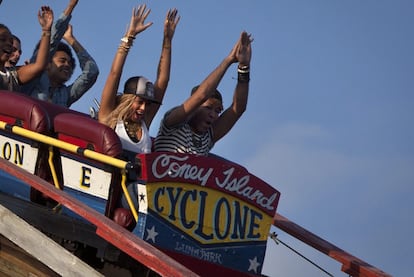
point(197, 124)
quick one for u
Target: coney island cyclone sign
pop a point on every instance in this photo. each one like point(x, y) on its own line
point(219, 211)
point(224, 176)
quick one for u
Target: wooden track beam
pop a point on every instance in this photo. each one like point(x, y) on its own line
point(41, 247)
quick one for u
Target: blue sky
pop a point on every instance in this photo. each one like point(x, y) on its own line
point(329, 121)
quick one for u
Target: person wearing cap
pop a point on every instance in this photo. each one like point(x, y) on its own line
point(197, 124)
point(130, 114)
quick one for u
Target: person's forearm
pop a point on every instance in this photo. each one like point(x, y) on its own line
point(42, 56)
point(28, 72)
point(71, 6)
point(112, 81)
point(240, 98)
point(164, 66)
point(75, 44)
point(242, 89)
point(212, 81)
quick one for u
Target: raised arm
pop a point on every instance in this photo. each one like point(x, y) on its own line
point(28, 72)
point(230, 116)
point(71, 6)
point(88, 65)
point(58, 30)
point(136, 26)
point(164, 66)
point(205, 90)
point(72, 41)
point(61, 25)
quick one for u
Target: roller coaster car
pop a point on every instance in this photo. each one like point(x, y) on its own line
point(209, 216)
point(208, 213)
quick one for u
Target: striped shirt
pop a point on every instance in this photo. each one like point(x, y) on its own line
point(181, 139)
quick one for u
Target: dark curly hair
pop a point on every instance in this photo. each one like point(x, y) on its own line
point(65, 48)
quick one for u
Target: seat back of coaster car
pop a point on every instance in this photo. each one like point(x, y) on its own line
point(23, 149)
point(93, 182)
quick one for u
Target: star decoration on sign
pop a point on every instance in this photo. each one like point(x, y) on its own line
point(253, 264)
point(151, 234)
point(142, 197)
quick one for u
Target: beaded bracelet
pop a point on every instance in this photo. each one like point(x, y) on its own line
point(125, 48)
point(243, 69)
point(243, 74)
point(126, 43)
point(129, 40)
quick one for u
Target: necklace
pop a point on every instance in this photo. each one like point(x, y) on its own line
point(133, 130)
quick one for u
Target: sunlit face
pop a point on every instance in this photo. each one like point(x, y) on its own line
point(60, 68)
point(138, 109)
point(6, 45)
point(206, 115)
point(16, 53)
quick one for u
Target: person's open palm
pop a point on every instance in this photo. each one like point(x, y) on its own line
point(137, 23)
point(45, 16)
point(171, 21)
point(244, 52)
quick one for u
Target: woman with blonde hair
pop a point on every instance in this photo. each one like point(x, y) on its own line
point(130, 114)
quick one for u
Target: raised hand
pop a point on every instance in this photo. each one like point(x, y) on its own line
point(45, 16)
point(69, 33)
point(137, 23)
point(171, 21)
point(244, 51)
